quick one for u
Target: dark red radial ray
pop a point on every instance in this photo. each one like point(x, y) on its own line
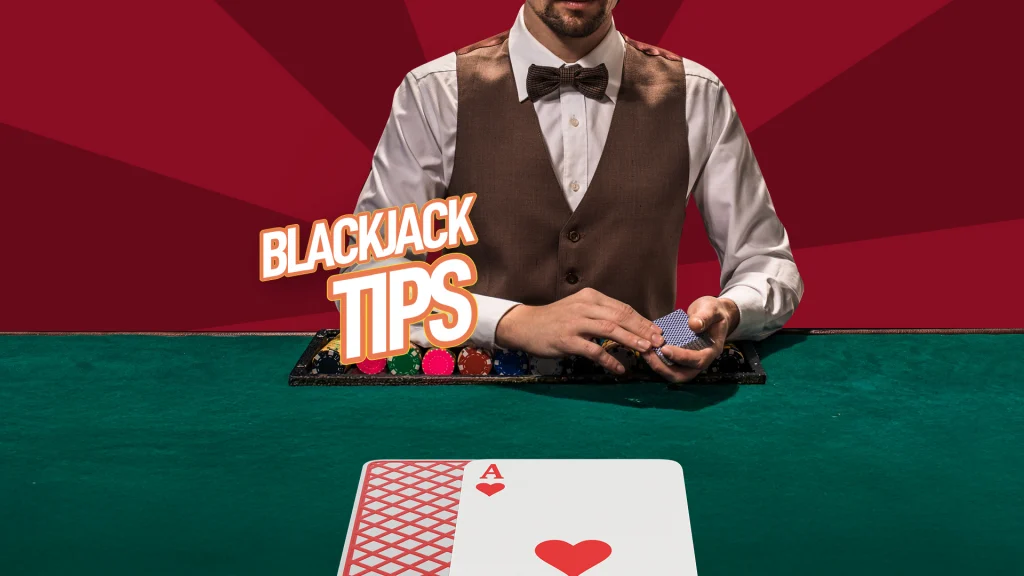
point(350, 55)
point(181, 90)
point(923, 280)
point(108, 246)
point(444, 27)
point(646, 20)
point(770, 54)
point(896, 281)
point(915, 137)
point(302, 323)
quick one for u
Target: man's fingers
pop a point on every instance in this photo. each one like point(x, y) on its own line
point(583, 347)
point(673, 374)
point(606, 308)
point(703, 313)
point(607, 328)
point(698, 359)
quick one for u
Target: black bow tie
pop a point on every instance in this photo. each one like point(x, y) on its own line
point(543, 80)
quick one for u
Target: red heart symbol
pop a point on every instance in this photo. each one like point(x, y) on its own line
point(573, 560)
point(490, 489)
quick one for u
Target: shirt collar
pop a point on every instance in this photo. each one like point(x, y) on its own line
point(524, 50)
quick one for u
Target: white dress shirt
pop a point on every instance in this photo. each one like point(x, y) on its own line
point(414, 159)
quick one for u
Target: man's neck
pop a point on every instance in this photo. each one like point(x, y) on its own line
point(568, 49)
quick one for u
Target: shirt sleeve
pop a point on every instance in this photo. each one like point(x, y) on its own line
point(412, 165)
point(758, 270)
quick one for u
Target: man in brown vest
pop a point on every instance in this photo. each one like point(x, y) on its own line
point(583, 146)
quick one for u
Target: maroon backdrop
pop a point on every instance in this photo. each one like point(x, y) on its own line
point(144, 145)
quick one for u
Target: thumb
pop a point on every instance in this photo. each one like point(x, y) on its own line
point(703, 313)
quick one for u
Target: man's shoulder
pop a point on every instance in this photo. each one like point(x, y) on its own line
point(492, 42)
point(652, 51)
point(692, 69)
point(438, 66)
point(697, 71)
point(445, 65)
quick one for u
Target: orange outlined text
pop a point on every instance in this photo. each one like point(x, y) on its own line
point(379, 305)
point(367, 236)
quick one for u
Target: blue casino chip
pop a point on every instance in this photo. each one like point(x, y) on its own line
point(511, 363)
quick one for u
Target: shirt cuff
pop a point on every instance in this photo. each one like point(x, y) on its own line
point(489, 311)
point(752, 314)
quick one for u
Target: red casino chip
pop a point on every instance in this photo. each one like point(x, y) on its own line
point(438, 362)
point(475, 362)
point(372, 366)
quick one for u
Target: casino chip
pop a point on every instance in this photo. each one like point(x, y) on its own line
point(731, 360)
point(438, 362)
point(326, 362)
point(546, 366)
point(577, 366)
point(372, 366)
point(332, 344)
point(511, 363)
point(474, 361)
point(626, 356)
point(407, 364)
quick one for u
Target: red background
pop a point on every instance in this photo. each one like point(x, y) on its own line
point(144, 145)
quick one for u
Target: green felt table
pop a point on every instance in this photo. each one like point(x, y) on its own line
point(880, 454)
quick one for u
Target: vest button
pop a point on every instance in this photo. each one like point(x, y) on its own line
point(574, 236)
point(572, 278)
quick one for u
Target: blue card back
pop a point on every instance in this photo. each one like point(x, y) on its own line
point(676, 330)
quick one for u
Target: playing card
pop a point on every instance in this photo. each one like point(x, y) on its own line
point(404, 518)
point(676, 330)
point(573, 518)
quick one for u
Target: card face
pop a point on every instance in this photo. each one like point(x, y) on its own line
point(573, 518)
point(676, 330)
point(403, 521)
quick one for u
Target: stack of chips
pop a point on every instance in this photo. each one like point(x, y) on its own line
point(475, 361)
point(579, 366)
point(438, 362)
point(546, 366)
point(326, 361)
point(407, 364)
point(511, 363)
point(625, 355)
point(731, 360)
point(372, 366)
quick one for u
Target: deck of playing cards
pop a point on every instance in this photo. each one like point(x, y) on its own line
point(515, 517)
point(676, 330)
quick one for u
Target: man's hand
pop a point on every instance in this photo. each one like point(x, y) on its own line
point(717, 318)
point(565, 327)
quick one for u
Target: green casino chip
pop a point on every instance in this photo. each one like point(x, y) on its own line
point(407, 364)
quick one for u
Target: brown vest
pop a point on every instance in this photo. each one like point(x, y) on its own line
point(623, 238)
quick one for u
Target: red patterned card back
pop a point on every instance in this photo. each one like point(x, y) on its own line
point(403, 522)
